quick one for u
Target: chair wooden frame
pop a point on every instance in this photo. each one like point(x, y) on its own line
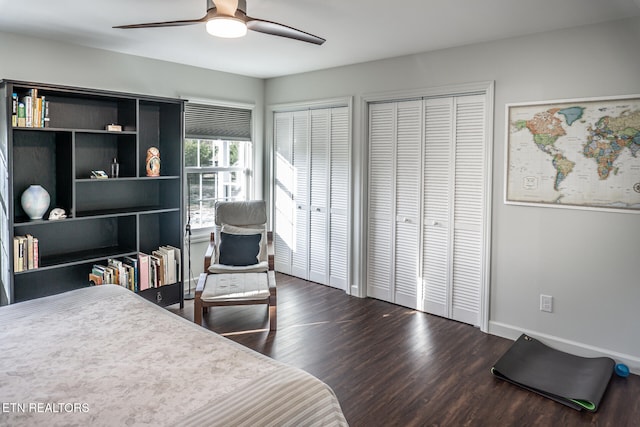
point(201, 306)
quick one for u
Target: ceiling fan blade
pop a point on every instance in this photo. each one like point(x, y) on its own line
point(165, 24)
point(281, 30)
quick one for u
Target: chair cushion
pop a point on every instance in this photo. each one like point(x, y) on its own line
point(239, 249)
point(252, 229)
point(235, 287)
point(260, 267)
point(241, 212)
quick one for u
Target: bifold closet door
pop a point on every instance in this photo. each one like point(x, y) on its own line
point(407, 202)
point(395, 135)
point(381, 210)
point(312, 194)
point(437, 205)
point(339, 198)
point(300, 155)
point(318, 185)
point(283, 192)
point(454, 207)
point(469, 215)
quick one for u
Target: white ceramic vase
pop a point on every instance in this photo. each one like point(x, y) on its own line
point(35, 201)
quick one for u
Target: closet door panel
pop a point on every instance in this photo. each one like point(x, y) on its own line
point(318, 246)
point(283, 192)
point(468, 213)
point(380, 257)
point(318, 184)
point(339, 199)
point(408, 137)
point(300, 250)
point(438, 147)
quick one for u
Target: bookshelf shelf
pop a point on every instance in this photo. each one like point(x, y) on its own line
point(106, 218)
point(75, 258)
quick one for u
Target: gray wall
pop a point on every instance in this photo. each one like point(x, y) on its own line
point(38, 60)
point(588, 261)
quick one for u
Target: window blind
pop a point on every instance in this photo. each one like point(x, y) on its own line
point(215, 122)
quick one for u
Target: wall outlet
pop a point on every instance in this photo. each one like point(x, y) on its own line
point(546, 303)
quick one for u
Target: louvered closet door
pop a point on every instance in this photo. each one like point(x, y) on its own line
point(438, 148)
point(318, 185)
point(454, 207)
point(300, 250)
point(409, 120)
point(284, 190)
point(381, 197)
point(339, 199)
point(468, 211)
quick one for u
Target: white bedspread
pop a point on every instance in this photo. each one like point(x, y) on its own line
point(104, 356)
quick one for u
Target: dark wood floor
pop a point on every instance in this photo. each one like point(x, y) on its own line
point(392, 366)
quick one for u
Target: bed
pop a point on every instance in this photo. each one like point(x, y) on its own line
point(105, 356)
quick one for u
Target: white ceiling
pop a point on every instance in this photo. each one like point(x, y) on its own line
point(356, 30)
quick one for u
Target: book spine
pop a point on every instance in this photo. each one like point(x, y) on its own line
point(14, 109)
point(17, 263)
point(28, 111)
point(22, 115)
point(42, 110)
point(21, 253)
point(46, 114)
point(33, 93)
point(29, 252)
point(36, 252)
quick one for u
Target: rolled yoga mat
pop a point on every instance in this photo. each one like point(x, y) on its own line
point(578, 382)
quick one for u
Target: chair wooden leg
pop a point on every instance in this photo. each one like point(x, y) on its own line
point(197, 301)
point(273, 317)
point(197, 311)
point(273, 310)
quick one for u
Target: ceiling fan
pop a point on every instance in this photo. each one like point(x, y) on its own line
point(228, 18)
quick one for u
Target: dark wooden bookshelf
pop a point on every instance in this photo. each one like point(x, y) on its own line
point(106, 218)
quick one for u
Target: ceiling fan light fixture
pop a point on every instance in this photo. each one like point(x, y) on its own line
point(227, 27)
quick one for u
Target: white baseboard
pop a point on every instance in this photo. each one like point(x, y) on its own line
point(573, 347)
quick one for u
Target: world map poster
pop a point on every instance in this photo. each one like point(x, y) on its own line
point(582, 153)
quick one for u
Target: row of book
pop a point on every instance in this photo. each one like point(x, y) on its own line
point(31, 110)
point(144, 271)
point(26, 253)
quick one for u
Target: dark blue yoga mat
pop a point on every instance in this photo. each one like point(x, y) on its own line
point(575, 381)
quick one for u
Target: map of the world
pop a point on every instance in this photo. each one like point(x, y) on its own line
point(581, 154)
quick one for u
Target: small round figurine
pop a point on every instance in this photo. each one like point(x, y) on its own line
point(153, 162)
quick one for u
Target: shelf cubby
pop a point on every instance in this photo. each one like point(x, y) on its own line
point(160, 229)
point(96, 151)
point(42, 158)
point(68, 241)
point(95, 196)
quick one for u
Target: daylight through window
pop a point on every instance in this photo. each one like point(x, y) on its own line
point(216, 170)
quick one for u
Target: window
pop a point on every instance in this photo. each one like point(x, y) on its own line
point(218, 158)
point(216, 170)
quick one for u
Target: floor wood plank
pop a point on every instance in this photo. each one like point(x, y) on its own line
point(392, 366)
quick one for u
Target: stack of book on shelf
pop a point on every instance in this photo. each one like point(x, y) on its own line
point(31, 110)
point(26, 253)
point(161, 267)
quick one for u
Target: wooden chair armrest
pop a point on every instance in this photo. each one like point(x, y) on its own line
point(202, 279)
point(209, 253)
